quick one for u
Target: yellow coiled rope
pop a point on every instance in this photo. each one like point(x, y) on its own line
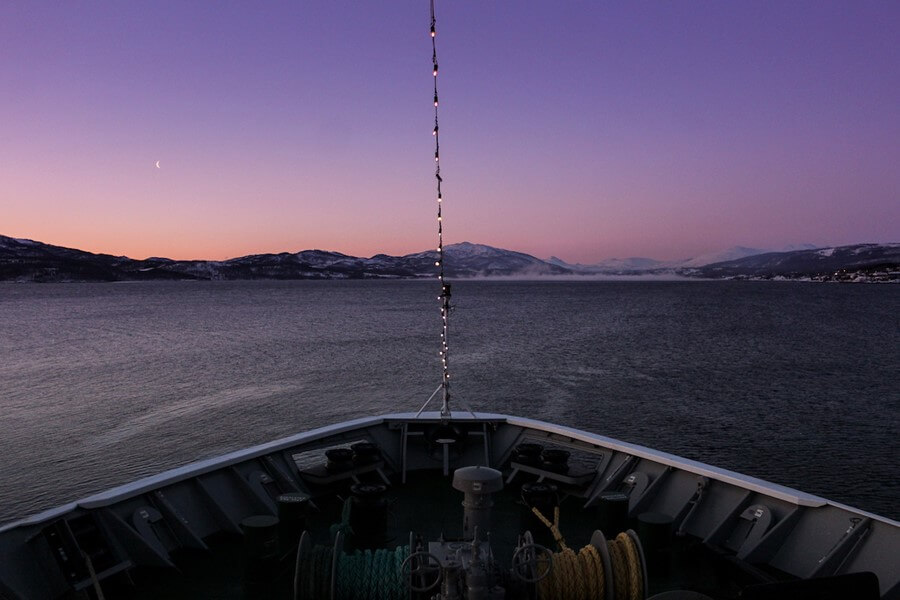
point(633, 564)
point(620, 571)
point(581, 576)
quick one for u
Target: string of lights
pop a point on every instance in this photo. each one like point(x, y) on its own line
point(445, 287)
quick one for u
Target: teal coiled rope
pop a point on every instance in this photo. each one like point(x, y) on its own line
point(362, 575)
point(371, 575)
point(315, 574)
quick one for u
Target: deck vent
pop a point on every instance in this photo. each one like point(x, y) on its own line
point(477, 483)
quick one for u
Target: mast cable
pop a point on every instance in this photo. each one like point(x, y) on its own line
point(445, 287)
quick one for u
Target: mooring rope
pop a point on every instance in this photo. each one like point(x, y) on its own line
point(361, 575)
point(344, 525)
point(371, 575)
point(94, 581)
point(314, 573)
point(581, 576)
point(634, 565)
point(553, 527)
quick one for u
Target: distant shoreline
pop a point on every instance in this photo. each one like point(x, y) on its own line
point(32, 261)
point(498, 278)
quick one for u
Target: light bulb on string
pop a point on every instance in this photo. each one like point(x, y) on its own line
point(439, 261)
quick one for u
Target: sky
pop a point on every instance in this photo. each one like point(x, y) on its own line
point(580, 129)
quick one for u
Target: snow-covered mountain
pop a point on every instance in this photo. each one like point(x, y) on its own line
point(854, 262)
point(624, 266)
point(634, 265)
point(613, 265)
point(733, 253)
point(736, 253)
point(794, 247)
point(28, 260)
point(472, 260)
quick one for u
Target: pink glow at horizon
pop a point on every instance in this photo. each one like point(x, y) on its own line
point(581, 130)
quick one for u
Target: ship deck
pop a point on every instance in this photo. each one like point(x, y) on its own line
point(232, 527)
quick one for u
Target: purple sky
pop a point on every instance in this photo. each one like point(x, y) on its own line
point(581, 129)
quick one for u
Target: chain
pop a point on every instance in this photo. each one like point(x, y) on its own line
point(445, 287)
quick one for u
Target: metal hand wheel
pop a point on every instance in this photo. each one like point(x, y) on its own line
point(430, 565)
point(531, 563)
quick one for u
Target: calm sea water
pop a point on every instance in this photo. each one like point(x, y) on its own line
point(795, 383)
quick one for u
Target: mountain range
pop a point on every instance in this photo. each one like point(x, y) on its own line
point(637, 264)
point(30, 261)
point(862, 262)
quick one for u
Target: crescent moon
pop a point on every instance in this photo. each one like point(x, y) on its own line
point(157, 164)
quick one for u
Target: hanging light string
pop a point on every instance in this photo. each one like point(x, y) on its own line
point(445, 287)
